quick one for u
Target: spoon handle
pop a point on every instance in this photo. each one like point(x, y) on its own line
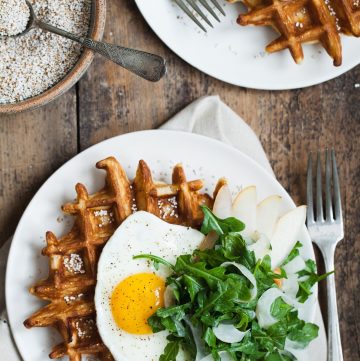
point(148, 66)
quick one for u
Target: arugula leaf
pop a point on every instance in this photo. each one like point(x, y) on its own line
point(212, 257)
point(310, 273)
point(155, 323)
point(170, 352)
point(278, 333)
point(279, 356)
point(155, 259)
point(220, 226)
point(178, 312)
point(304, 333)
point(209, 337)
point(280, 309)
point(212, 276)
point(192, 286)
point(175, 286)
point(293, 253)
point(262, 338)
point(244, 318)
point(233, 246)
point(174, 325)
point(265, 277)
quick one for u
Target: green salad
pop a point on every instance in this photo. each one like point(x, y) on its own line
point(227, 305)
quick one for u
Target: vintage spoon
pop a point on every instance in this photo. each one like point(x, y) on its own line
point(148, 66)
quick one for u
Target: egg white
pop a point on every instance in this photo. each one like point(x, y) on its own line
point(140, 233)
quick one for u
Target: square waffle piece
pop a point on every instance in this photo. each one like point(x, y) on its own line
point(298, 22)
point(348, 14)
point(70, 286)
point(305, 21)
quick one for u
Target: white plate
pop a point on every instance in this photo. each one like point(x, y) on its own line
point(202, 157)
point(235, 54)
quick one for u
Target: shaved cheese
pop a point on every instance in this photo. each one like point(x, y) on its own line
point(295, 265)
point(247, 274)
point(290, 285)
point(169, 297)
point(228, 333)
point(261, 246)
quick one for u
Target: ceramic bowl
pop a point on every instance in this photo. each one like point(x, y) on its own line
point(97, 25)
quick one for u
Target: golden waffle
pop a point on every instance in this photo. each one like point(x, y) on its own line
point(348, 13)
point(298, 22)
point(73, 258)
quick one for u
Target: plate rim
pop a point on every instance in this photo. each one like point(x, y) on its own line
point(299, 85)
point(185, 134)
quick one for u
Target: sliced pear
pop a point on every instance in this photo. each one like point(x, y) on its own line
point(286, 234)
point(267, 215)
point(244, 208)
point(223, 202)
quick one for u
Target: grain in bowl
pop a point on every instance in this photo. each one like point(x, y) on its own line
point(32, 63)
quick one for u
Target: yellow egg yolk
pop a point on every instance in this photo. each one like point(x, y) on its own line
point(135, 299)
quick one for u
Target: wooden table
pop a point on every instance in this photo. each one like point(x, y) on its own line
point(109, 101)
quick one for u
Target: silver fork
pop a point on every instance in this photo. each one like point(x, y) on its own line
point(193, 5)
point(326, 232)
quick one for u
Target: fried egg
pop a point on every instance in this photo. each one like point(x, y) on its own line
point(129, 291)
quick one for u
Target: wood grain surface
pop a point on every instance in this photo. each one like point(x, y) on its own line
point(109, 101)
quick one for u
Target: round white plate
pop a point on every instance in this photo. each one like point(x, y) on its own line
point(202, 157)
point(235, 54)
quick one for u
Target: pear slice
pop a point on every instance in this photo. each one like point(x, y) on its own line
point(244, 208)
point(286, 234)
point(223, 203)
point(267, 215)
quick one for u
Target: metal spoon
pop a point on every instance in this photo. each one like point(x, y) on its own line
point(148, 66)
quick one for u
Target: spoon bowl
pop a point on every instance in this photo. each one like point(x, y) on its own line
point(31, 22)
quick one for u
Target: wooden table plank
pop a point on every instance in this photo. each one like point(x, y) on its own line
point(32, 146)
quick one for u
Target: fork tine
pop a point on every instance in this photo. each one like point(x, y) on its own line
point(328, 196)
point(309, 192)
point(185, 9)
point(319, 204)
point(209, 9)
point(199, 11)
point(218, 7)
point(337, 196)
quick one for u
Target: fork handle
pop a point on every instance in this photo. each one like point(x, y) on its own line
point(334, 340)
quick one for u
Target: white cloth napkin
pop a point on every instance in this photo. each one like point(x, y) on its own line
point(208, 116)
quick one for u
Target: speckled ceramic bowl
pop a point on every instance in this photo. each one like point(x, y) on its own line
point(96, 31)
